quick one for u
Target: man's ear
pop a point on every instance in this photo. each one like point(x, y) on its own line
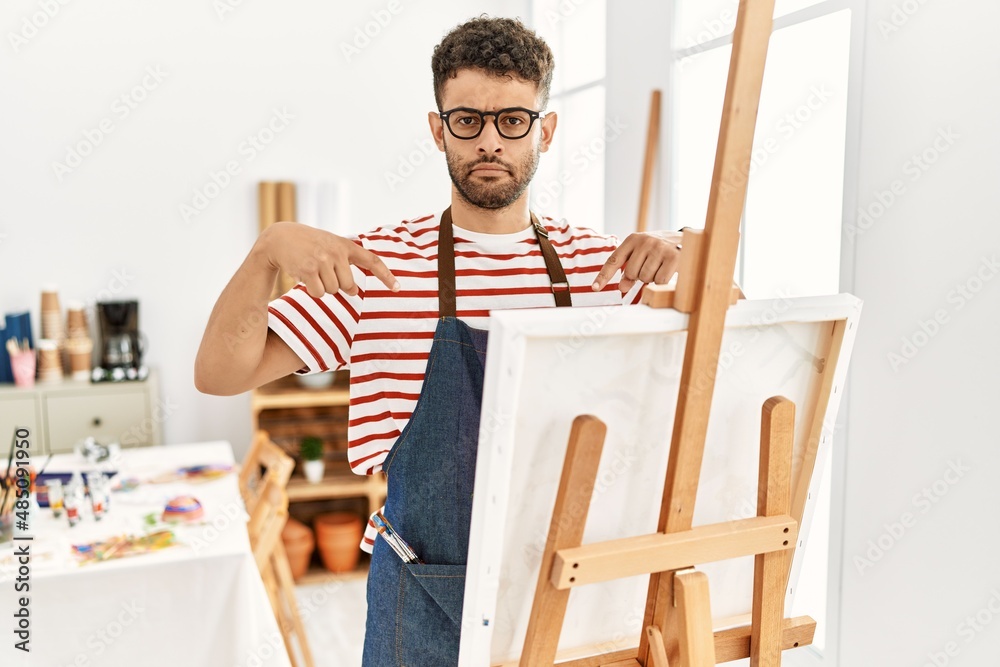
point(548, 130)
point(437, 129)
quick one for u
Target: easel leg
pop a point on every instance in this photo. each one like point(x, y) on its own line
point(569, 516)
point(657, 651)
point(697, 643)
point(773, 499)
point(283, 571)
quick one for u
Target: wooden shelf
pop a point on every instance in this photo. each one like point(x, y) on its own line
point(288, 393)
point(337, 486)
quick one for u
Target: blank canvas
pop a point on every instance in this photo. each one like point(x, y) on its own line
point(623, 364)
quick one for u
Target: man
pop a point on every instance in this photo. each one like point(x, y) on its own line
point(406, 307)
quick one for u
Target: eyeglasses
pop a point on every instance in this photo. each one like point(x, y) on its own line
point(512, 123)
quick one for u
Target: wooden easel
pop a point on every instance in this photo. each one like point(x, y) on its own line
point(678, 625)
point(649, 161)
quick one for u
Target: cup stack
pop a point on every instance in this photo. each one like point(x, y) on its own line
point(76, 320)
point(49, 361)
point(79, 346)
point(53, 335)
point(52, 325)
point(80, 351)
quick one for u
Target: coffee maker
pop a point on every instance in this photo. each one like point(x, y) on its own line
point(122, 345)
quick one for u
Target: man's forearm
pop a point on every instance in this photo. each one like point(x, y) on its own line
point(235, 337)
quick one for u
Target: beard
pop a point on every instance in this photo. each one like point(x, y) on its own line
point(493, 192)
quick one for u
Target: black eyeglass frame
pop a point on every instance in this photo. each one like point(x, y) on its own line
point(532, 115)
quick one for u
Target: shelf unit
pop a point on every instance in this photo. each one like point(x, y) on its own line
point(287, 394)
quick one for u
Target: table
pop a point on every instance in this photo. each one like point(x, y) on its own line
point(199, 603)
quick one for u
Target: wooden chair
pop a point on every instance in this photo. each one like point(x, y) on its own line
point(263, 458)
point(267, 503)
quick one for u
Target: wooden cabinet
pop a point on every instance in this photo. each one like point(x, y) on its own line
point(287, 411)
point(60, 415)
point(20, 411)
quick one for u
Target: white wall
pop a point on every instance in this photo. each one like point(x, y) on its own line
point(906, 426)
point(113, 224)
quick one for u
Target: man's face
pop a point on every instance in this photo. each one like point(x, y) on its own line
point(490, 171)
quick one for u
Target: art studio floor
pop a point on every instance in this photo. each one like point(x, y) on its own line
point(334, 616)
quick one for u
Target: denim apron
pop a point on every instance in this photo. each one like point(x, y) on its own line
point(415, 610)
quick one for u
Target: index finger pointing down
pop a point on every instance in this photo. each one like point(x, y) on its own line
point(366, 259)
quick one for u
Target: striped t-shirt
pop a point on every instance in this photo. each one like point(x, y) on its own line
point(385, 337)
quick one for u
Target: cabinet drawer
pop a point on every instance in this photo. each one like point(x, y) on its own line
point(15, 413)
point(111, 417)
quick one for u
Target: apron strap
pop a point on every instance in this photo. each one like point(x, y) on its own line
point(446, 266)
point(560, 286)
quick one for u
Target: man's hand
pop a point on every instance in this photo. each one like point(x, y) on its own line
point(319, 259)
point(646, 257)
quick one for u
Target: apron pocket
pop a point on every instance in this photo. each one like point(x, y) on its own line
point(429, 615)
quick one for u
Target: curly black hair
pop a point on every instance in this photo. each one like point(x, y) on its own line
point(499, 46)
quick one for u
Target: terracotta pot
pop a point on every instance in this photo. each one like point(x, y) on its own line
point(299, 545)
point(338, 536)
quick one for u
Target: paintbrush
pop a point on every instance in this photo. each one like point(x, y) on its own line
point(10, 456)
point(119, 542)
point(6, 477)
point(44, 465)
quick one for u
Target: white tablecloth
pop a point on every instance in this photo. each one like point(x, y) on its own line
point(200, 603)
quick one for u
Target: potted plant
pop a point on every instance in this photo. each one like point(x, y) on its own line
point(311, 451)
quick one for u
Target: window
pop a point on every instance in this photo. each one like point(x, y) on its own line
point(791, 228)
point(790, 241)
point(570, 179)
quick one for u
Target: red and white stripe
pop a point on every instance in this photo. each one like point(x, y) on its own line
point(385, 337)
